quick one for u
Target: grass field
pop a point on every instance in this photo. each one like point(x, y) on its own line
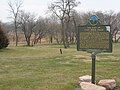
point(43, 68)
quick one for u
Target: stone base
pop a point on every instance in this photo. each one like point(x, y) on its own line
point(90, 86)
point(109, 84)
point(85, 78)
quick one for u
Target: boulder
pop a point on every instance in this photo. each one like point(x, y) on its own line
point(90, 86)
point(109, 84)
point(85, 78)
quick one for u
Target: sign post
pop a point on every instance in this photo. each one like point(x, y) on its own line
point(93, 55)
point(94, 38)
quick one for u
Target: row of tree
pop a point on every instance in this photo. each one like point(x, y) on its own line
point(61, 25)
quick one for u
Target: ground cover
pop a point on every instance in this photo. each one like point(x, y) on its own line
point(42, 67)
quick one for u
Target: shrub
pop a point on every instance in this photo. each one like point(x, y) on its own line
point(4, 42)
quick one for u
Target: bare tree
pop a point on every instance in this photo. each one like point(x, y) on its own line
point(116, 31)
point(111, 19)
point(53, 29)
point(14, 8)
point(40, 30)
point(27, 23)
point(62, 9)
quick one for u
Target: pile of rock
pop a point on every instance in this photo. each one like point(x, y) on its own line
point(106, 84)
point(90, 86)
point(86, 78)
point(109, 84)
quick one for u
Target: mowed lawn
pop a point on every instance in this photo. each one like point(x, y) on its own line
point(42, 67)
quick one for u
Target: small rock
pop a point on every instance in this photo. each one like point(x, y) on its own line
point(109, 84)
point(85, 78)
point(90, 86)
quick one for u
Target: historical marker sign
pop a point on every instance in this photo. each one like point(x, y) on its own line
point(94, 36)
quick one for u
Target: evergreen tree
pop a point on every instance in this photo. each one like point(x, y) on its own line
point(4, 42)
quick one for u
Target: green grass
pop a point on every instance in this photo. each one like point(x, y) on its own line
point(44, 68)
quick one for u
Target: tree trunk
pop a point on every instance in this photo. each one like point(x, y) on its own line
point(57, 40)
point(28, 41)
point(66, 40)
point(66, 33)
point(116, 36)
point(51, 39)
point(63, 34)
point(16, 35)
point(16, 42)
point(118, 39)
point(75, 25)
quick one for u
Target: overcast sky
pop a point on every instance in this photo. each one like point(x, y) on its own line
point(39, 7)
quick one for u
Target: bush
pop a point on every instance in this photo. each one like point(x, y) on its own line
point(4, 42)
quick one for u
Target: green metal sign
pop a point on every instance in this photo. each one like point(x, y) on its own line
point(94, 36)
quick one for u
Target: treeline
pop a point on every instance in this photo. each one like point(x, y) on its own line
point(61, 24)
